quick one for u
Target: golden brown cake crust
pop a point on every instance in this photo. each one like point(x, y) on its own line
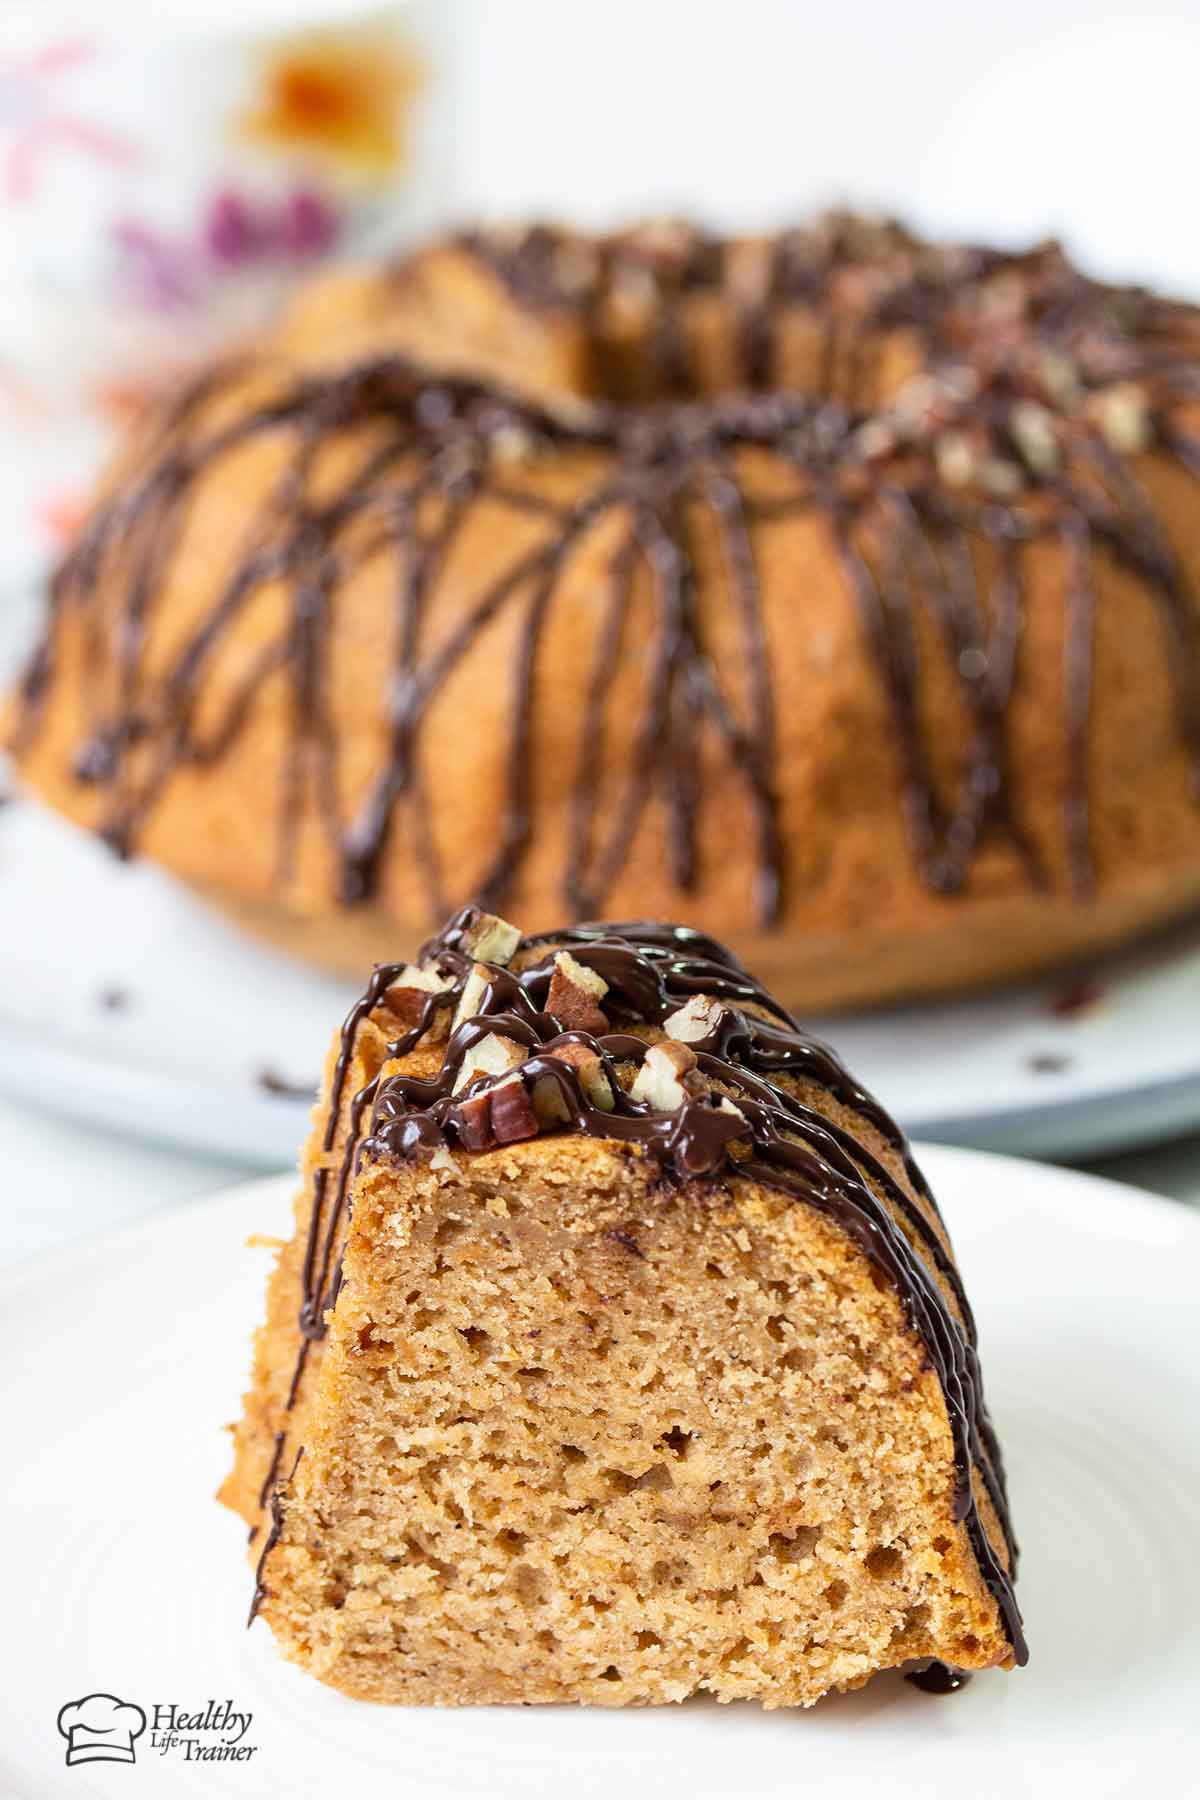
point(898, 694)
point(631, 1363)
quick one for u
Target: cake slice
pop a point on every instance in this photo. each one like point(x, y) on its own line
point(619, 1351)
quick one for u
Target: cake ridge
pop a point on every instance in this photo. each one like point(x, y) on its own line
point(732, 1120)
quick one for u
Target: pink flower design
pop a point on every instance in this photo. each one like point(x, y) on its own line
point(35, 125)
point(173, 273)
point(165, 274)
point(308, 224)
point(236, 231)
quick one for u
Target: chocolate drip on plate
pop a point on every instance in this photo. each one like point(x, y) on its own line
point(938, 1678)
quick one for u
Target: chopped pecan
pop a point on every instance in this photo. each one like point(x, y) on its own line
point(1122, 413)
point(473, 1122)
point(1033, 430)
point(513, 1117)
point(695, 1022)
point(407, 997)
point(492, 1055)
point(668, 1076)
point(589, 1070)
point(575, 995)
point(548, 1103)
point(488, 938)
point(474, 993)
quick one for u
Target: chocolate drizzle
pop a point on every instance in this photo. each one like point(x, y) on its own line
point(1038, 388)
point(740, 1121)
point(273, 1500)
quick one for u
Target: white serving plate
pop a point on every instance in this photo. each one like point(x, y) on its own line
point(202, 1011)
point(127, 1579)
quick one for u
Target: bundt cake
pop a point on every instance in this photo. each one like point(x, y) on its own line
point(619, 1352)
point(835, 589)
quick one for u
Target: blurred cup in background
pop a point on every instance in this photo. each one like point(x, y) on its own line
point(161, 185)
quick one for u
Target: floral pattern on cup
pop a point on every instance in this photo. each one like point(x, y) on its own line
point(158, 195)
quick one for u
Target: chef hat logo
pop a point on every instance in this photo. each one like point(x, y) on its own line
point(100, 1728)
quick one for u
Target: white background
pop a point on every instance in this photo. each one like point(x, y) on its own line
point(1076, 117)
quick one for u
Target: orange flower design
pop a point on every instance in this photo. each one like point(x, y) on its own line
point(343, 97)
